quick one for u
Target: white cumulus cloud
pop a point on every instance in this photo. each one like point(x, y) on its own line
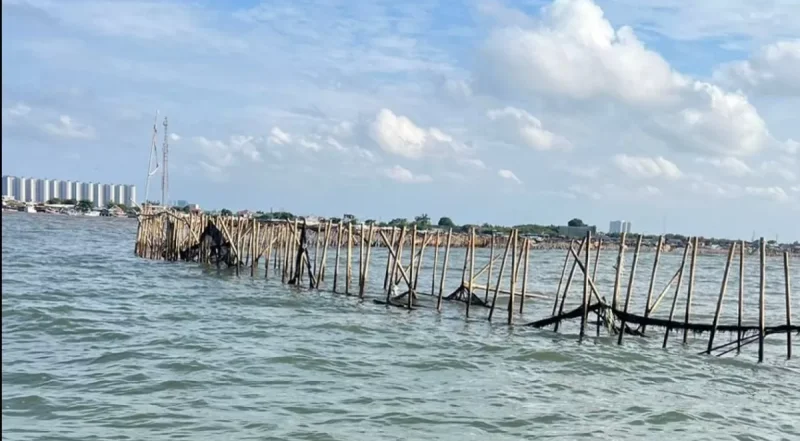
point(646, 168)
point(405, 176)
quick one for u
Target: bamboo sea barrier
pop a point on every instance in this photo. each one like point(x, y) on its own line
point(301, 253)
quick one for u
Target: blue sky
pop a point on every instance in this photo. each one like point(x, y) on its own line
point(657, 111)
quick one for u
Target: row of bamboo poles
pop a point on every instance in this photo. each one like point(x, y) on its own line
point(284, 248)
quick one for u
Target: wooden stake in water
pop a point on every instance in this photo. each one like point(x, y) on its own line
point(435, 264)
point(677, 292)
point(525, 275)
point(500, 276)
point(471, 268)
point(722, 290)
point(691, 290)
point(652, 282)
point(788, 286)
point(489, 275)
point(618, 278)
point(444, 270)
point(514, 234)
point(585, 299)
point(630, 288)
point(761, 298)
point(741, 297)
point(339, 234)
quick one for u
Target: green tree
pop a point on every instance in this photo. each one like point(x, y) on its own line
point(84, 206)
point(369, 222)
point(186, 209)
point(576, 223)
point(226, 212)
point(336, 220)
point(446, 222)
point(398, 222)
point(54, 201)
point(422, 221)
point(69, 202)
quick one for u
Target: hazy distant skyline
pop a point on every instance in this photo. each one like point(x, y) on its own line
point(660, 112)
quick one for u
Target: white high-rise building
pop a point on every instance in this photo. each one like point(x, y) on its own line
point(108, 194)
point(619, 227)
point(8, 186)
point(86, 193)
point(31, 185)
point(66, 190)
point(99, 198)
point(43, 190)
point(119, 194)
point(55, 189)
point(77, 191)
point(130, 195)
point(21, 189)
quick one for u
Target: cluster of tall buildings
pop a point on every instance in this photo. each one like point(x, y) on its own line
point(619, 227)
point(42, 190)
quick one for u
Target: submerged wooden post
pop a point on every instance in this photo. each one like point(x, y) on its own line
point(630, 288)
point(361, 261)
point(652, 283)
point(444, 270)
point(618, 278)
point(569, 282)
point(500, 276)
point(339, 234)
point(525, 275)
point(691, 290)
point(435, 263)
point(788, 287)
point(561, 280)
point(677, 292)
point(389, 259)
point(722, 290)
point(762, 298)
point(514, 266)
point(411, 272)
point(489, 274)
point(741, 297)
point(349, 267)
point(370, 238)
point(585, 300)
point(471, 268)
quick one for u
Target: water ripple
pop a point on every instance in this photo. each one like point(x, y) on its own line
point(99, 345)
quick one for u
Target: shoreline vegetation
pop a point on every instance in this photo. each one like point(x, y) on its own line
point(542, 237)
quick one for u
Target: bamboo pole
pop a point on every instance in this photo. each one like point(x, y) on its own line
point(471, 268)
point(788, 287)
point(762, 298)
point(339, 234)
point(722, 290)
point(525, 275)
point(435, 263)
point(398, 260)
point(419, 260)
point(691, 290)
point(410, 299)
point(500, 276)
point(741, 298)
point(514, 268)
point(366, 262)
point(361, 260)
point(268, 253)
point(652, 282)
point(585, 300)
point(677, 292)
point(389, 260)
point(349, 267)
point(618, 278)
point(630, 288)
point(569, 281)
point(563, 272)
point(444, 270)
point(489, 275)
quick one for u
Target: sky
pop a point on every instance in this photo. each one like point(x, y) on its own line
point(677, 116)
